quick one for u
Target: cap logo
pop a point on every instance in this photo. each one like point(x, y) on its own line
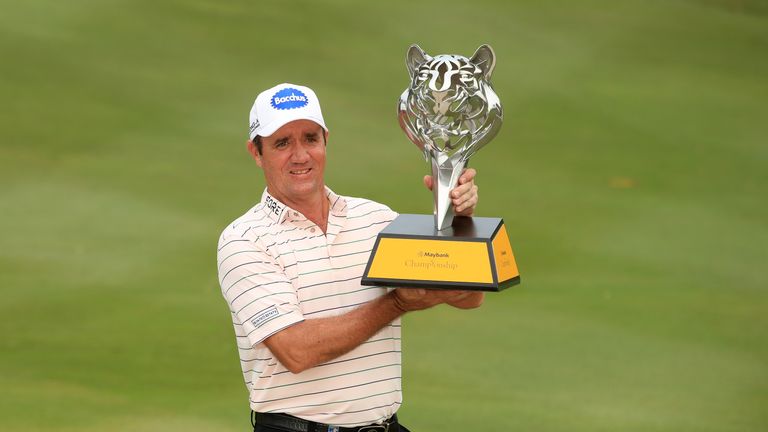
point(289, 98)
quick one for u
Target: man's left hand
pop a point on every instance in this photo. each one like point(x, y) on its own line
point(464, 195)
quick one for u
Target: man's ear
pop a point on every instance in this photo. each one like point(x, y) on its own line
point(253, 151)
point(326, 137)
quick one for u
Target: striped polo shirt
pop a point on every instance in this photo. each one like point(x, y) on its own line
point(277, 268)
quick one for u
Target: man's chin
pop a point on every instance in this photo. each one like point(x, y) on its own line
point(306, 188)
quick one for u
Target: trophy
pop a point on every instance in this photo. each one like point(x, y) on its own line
point(449, 111)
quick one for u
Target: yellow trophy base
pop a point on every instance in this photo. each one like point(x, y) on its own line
point(473, 254)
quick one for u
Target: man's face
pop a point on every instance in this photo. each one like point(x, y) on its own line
point(293, 160)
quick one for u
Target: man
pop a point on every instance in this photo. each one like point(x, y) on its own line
point(319, 351)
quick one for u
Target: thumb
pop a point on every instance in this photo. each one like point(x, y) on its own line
point(428, 182)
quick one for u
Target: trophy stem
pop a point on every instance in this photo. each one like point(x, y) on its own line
point(445, 179)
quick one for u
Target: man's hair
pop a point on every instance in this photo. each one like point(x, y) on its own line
point(257, 141)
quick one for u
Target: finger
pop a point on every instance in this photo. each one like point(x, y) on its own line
point(461, 296)
point(463, 193)
point(414, 293)
point(410, 294)
point(467, 176)
point(460, 190)
point(466, 201)
point(467, 208)
point(452, 294)
point(428, 182)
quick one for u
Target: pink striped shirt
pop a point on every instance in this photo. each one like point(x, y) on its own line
point(277, 268)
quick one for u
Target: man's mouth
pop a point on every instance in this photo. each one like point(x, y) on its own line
point(301, 171)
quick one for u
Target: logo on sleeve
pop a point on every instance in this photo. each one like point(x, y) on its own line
point(264, 316)
point(289, 98)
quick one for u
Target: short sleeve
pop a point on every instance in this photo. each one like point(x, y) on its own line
point(260, 295)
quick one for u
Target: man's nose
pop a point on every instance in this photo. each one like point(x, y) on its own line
point(299, 154)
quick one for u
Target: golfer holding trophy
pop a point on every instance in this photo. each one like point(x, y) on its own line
point(449, 111)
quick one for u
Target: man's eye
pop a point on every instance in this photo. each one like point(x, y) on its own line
point(281, 143)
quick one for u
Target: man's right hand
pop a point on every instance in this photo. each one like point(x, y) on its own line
point(413, 299)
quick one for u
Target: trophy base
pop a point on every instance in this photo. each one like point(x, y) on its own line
point(473, 254)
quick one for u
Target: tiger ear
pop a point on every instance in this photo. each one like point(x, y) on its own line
point(485, 59)
point(415, 57)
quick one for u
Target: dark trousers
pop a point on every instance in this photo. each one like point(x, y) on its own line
point(262, 428)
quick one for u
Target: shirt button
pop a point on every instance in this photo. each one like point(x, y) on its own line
point(311, 230)
point(295, 213)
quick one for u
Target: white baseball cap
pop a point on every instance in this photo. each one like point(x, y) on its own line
point(281, 104)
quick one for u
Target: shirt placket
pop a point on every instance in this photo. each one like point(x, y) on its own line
point(309, 237)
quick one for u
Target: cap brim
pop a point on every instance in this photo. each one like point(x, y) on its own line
point(271, 128)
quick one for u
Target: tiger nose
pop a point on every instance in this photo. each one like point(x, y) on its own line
point(442, 101)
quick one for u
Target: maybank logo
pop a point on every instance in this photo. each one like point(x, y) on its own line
point(289, 98)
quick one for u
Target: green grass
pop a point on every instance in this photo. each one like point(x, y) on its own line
point(631, 170)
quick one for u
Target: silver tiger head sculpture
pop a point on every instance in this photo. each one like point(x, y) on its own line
point(449, 111)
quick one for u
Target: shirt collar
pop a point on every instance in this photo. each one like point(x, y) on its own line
point(338, 205)
point(272, 207)
point(279, 212)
